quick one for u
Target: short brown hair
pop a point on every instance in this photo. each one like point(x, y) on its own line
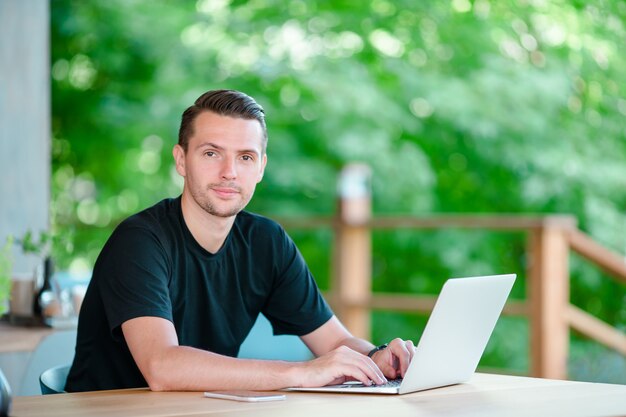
point(225, 103)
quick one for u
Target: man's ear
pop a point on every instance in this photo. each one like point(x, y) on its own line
point(263, 163)
point(179, 158)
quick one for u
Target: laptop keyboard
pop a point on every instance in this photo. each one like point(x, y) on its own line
point(394, 383)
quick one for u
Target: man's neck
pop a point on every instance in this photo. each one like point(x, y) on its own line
point(208, 230)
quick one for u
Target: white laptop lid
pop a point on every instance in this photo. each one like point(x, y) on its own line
point(454, 338)
point(457, 331)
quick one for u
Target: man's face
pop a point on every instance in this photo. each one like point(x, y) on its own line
point(223, 164)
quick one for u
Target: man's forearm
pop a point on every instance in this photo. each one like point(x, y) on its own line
point(167, 366)
point(357, 344)
point(182, 368)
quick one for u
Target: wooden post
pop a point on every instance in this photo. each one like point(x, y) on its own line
point(548, 294)
point(353, 250)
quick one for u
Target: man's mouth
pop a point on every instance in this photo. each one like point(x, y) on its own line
point(225, 192)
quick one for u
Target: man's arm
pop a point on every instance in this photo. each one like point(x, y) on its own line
point(392, 361)
point(167, 366)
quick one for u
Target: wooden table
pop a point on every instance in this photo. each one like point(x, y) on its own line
point(21, 339)
point(484, 395)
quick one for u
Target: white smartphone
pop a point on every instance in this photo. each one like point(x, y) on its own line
point(248, 396)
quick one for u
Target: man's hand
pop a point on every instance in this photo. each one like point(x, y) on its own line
point(342, 357)
point(394, 360)
point(338, 366)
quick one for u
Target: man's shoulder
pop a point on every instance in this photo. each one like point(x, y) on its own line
point(261, 231)
point(158, 223)
point(256, 222)
point(161, 213)
point(153, 230)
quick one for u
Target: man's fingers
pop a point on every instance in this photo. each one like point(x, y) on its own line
point(364, 367)
point(398, 349)
point(403, 352)
point(376, 372)
point(389, 368)
point(345, 363)
point(410, 347)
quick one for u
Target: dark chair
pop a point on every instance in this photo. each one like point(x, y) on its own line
point(56, 348)
point(52, 381)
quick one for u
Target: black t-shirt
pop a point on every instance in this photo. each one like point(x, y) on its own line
point(152, 266)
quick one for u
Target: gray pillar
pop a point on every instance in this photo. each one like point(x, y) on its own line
point(24, 122)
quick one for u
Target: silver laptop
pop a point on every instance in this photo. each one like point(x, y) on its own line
point(454, 338)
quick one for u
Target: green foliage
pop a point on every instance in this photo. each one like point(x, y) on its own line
point(6, 269)
point(39, 246)
point(458, 107)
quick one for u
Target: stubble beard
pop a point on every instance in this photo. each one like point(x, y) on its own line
point(204, 201)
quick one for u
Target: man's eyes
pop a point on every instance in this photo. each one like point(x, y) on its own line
point(212, 154)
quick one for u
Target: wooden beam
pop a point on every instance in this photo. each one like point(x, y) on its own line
point(305, 223)
point(549, 297)
point(474, 221)
point(353, 283)
point(607, 260)
point(353, 280)
point(425, 304)
point(421, 304)
point(596, 329)
point(405, 303)
point(470, 221)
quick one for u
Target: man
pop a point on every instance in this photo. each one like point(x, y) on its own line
point(178, 286)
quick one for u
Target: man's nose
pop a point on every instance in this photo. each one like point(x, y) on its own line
point(229, 169)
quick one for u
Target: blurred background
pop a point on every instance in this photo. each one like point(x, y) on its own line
point(514, 106)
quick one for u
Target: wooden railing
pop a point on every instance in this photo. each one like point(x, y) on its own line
point(549, 241)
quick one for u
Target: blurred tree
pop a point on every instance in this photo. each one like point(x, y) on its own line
point(460, 106)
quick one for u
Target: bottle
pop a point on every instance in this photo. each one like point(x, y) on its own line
point(39, 302)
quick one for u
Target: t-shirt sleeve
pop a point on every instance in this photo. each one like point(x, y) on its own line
point(296, 305)
point(133, 277)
